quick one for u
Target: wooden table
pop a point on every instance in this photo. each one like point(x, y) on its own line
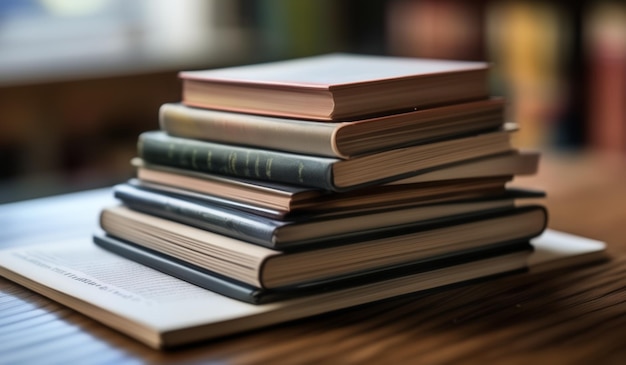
point(570, 316)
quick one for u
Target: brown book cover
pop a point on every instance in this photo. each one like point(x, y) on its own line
point(264, 267)
point(287, 200)
point(336, 86)
point(332, 139)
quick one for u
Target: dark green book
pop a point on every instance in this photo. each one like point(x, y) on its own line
point(156, 147)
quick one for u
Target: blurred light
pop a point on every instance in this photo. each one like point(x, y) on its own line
point(605, 51)
point(70, 8)
point(527, 42)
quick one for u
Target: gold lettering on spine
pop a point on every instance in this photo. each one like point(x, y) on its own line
point(246, 171)
point(183, 156)
point(208, 160)
point(300, 170)
point(171, 151)
point(193, 159)
point(268, 168)
point(232, 163)
point(257, 173)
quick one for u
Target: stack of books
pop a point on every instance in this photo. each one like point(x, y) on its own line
point(308, 176)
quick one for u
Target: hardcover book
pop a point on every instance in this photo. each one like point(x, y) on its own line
point(476, 178)
point(156, 147)
point(112, 290)
point(332, 139)
point(250, 294)
point(299, 230)
point(271, 268)
point(336, 86)
point(285, 199)
point(508, 164)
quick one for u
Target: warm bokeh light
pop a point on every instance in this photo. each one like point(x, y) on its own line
point(605, 48)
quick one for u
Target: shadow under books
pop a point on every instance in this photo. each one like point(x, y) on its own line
point(522, 302)
point(505, 308)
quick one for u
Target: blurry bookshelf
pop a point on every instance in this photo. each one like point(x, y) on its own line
point(605, 40)
point(80, 80)
point(561, 65)
point(529, 42)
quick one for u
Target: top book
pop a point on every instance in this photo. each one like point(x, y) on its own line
point(336, 86)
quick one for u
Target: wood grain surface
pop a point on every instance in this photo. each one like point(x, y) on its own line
point(577, 315)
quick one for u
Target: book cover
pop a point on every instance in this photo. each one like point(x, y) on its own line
point(112, 289)
point(282, 199)
point(270, 268)
point(332, 139)
point(156, 147)
point(354, 207)
point(299, 230)
point(336, 86)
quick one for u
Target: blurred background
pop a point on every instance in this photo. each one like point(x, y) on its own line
point(79, 80)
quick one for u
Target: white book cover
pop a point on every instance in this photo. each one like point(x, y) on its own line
point(162, 311)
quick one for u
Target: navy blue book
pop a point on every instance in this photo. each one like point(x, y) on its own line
point(299, 230)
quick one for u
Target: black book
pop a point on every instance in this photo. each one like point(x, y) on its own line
point(298, 230)
point(247, 293)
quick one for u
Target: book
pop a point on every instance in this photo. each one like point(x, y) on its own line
point(336, 86)
point(297, 230)
point(520, 24)
point(283, 199)
point(469, 179)
point(156, 147)
point(332, 139)
point(271, 268)
point(508, 164)
point(231, 288)
point(606, 61)
point(112, 290)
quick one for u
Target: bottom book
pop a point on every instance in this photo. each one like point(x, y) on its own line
point(163, 311)
point(238, 290)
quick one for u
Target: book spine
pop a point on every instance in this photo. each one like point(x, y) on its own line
point(290, 135)
point(184, 271)
point(210, 217)
point(302, 170)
